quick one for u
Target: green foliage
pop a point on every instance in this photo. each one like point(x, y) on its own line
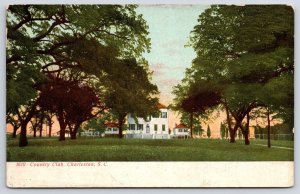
point(226, 133)
point(281, 129)
point(259, 130)
point(131, 91)
point(239, 133)
point(20, 88)
point(200, 98)
point(246, 53)
point(98, 123)
point(73, 42)
point(185, 119)
point(276, 129)
point(52, 38)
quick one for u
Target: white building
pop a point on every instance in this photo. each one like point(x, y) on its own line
point(111, 128)
point(151, 128)
point(181, 130)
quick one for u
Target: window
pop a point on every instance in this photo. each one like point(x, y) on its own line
point(140, 127)
point(131, 126)
point(115, 129)
point(155, 127)
point(186, 130)
point(179, 130)
point(164, 115)
point(163, 127)
point(107, 129)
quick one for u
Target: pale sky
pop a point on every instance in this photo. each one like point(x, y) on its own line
point(170, 27)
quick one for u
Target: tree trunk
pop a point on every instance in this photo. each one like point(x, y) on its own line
point(73, 135)
point(74, 131)
point(120, 128)
point(50, 123)
point(191, 123)
point(233, 133)
point(23, 135)
point(247, 141)
point(63, 126)
point(246, 133)
point(41, 124)
point(120, 123)
point(62, 132)
point(41, 131)
point(34, 131)
point(232, 136)
point(34, 125)
point(14, 135)
point(50, 128)
point(269, 128)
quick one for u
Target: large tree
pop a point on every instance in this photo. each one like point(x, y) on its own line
point(196, 98)
point(72, 102)
point(130, 92)
point(53, 38)
point(245, 49)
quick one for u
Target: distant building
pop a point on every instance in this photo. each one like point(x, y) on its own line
point(111, 128)
point(153, 127)
point(181, 130)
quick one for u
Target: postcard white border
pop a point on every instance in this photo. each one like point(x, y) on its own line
point(149, 174)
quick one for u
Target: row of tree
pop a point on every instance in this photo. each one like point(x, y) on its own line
point(76, 62)
point(244, 64)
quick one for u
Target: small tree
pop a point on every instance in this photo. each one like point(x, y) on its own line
point(197, 129)
point(208, 132)
point(226, 133)
point(239, 134)
point(222, 131)
point(98, 123)
point(49, 121)
point(34, 125)
point(13, 120)
point(196, 100)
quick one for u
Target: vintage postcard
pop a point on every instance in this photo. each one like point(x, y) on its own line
point(149, 96)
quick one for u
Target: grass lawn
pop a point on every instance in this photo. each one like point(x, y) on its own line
point(110, 149)
point(279, 143)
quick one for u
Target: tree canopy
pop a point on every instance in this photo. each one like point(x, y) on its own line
point(76, 42)
point(53, 38)
point(246, 53)
point(130, 92)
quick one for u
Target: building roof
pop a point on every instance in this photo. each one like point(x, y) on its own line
point(181, 126)
point(111, 124)
point(161, 106)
